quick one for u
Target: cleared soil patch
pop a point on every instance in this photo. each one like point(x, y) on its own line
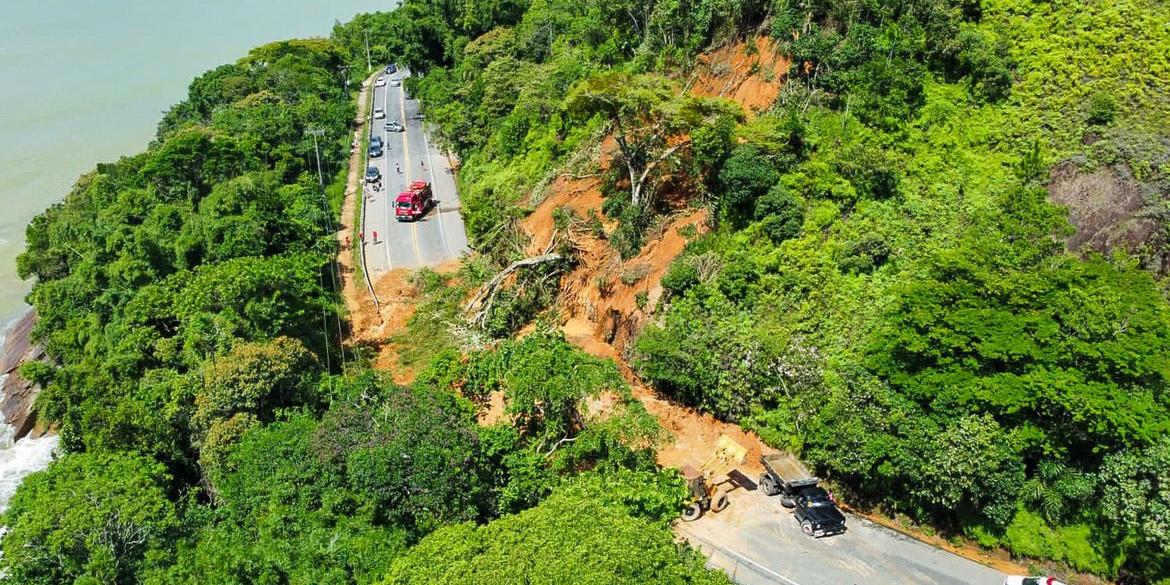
point(748, 72)
point(399, 295)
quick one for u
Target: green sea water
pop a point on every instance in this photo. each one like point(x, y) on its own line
point(86, 81)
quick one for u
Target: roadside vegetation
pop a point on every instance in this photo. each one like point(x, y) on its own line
point(884, 288)
point(213, 428)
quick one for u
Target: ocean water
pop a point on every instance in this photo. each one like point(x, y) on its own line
point(86, 81)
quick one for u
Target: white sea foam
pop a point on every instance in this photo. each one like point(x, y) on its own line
point(20, 458)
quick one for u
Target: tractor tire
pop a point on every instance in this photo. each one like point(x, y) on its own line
point(768, 485)
point(787, 502)
point(807, 527)
point(720, 502)
point(692, 512)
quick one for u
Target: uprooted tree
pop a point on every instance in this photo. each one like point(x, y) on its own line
point(652, 121)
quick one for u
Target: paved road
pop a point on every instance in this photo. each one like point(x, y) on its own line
point(757, 541)
point(436, 238)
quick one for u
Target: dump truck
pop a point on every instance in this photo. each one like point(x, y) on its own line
point(414, 203)
point(706, 482)
point(815, 511)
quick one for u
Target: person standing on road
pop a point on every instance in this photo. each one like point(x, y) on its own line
point(397, 168)
point(375, 236)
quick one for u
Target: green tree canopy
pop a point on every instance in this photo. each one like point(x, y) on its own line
point(88, 518)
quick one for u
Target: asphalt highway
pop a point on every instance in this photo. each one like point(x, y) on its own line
point(408, 156)
point(757, 541)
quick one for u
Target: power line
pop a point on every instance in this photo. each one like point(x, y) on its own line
point(328, 213)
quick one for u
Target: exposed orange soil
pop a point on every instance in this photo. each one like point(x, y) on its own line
point(748, 72)
point(493, 411)
point(603, 316)
point(578, 195)
point(600, 298)
point(399, 297)
point(693, 434)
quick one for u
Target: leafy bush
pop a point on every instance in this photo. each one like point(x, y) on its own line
point(1102, 109)
point(780, 214)
point(746, 176)
point(1029, 535)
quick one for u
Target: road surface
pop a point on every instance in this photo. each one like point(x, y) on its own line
point(409, 156)
point(757, 542)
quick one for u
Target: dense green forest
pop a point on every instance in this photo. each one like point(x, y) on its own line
point(885, 289)
point(214, 429)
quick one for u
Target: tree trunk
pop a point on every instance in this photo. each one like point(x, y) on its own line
point(482, 301)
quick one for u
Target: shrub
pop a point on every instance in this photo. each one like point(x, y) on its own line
point(746, 176)
point(1102, 109)
point(1029, 535)
point(864, 255)
point(681, 276)
point(780, 214)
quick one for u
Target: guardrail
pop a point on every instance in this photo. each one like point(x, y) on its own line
point(361, 191)
point(741, 569)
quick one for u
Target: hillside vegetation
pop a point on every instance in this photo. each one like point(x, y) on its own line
point(884, 288)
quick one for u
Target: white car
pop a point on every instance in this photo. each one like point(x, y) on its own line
point(380, 82)
point(1021, 580)
point(395, 82)
point(379, 113)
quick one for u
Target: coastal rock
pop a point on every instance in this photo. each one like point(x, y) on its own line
point(17, 394)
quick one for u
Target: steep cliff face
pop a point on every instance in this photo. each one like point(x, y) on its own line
point(17, 394)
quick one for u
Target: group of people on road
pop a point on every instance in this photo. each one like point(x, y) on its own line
point(398, 167)
point(362, 238)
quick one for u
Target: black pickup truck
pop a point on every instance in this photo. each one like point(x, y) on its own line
point(817, 514)
point(797, 488)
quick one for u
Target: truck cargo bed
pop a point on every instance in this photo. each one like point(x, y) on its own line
point(788, 468)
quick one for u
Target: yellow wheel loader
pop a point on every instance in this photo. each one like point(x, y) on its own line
point(707, 481)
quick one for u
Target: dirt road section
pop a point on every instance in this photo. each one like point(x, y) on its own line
point(353, 289)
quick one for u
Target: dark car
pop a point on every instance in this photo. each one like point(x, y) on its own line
point(817, 514)
point(373, 175)
point(375, 146)
point(391, 68)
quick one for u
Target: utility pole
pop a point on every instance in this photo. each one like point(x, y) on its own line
point(369, 63)
point(345, 74)
point(317, 150)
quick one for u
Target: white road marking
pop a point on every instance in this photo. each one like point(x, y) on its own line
point(753, 564)
point(406, 163)
point(386, 179)
point(438, 211)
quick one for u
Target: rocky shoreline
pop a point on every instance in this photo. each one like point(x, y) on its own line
point(17, 394)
